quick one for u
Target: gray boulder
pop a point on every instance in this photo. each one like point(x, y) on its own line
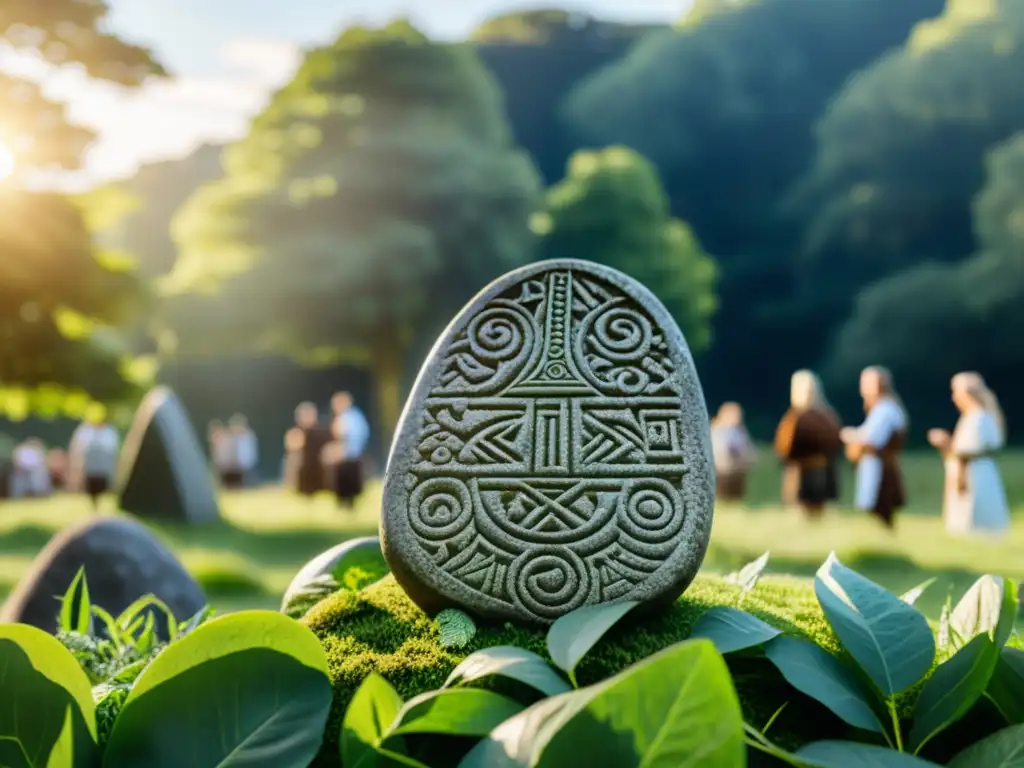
point(163, 473)
point(123, 561)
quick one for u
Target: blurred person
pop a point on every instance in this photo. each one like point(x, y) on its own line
point(875, 446)
point(57, 464)
point(304, 446)
point(224, 455)
point(974, 498)
point(807, 441)
point(351, 430)
point(93, 453)
point(733, 451)
point(30, 477)
point(246, 447)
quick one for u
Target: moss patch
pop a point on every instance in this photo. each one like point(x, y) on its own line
point(380, 630)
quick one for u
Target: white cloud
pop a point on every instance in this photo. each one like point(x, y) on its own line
point(164, 118)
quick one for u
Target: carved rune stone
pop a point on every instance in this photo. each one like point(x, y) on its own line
point(555, 453)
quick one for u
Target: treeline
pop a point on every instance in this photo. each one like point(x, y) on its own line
point(804, 183)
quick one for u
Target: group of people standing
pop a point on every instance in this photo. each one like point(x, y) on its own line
point(327, 456)
point(810, 439)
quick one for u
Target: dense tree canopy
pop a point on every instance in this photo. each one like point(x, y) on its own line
point(537, 58)
point(58, 295)
point(611, 209)
point(373, 196)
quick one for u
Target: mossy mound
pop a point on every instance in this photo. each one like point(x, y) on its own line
point(380, 630)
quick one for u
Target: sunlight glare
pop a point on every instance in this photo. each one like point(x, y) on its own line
point(6, 162)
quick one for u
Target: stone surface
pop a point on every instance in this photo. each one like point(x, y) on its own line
point(360, 550)
point(123, 561)
point(163, 473)
point(554, 453)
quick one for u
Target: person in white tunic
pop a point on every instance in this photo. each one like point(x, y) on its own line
point(93, 453)
point(30, 475)
point(876, 444)
point(246, 446)
point(733, 451)
point(974, 498)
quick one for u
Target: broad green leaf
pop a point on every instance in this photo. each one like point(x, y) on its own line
point(63, 753)
point(254, 707)
point(229, 634)
point(731, 629)
point(910, 597)
point(46, 654)
point(75, 607)
point(676, 709)
point(953, 689)
point(573, 635)
point(370, 714)
point(1003, 749)
point(851, 754)
point(336, 567)
point(890, 640)
point(989, 606)
point(515, 663)
point(1006, 688)
point(817, 673)
point(455, 712)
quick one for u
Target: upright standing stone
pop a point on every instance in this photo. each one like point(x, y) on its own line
point(554, 453)
point(123, 561)
point(163, 474)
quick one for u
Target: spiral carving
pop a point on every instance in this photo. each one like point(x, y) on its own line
point(652, 512)
point(549, 582)
point(439, 508)
point(499, 333)
point(622, 335)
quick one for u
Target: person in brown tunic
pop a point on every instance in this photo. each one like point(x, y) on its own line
point(875, 446)
point(807, 441)
point(304, 445)
point(733, 451)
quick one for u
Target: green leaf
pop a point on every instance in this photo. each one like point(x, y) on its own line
point(110, 624)
point(33, 709)
point(890, 640)
point(229, 634)
point(514, 663)
point(850, 754)
point(910, 597)
point(1003, 749)
point(677, 708)
point(372, 711)
point(252, 707)
point(731, 629)
point(63, 753)
point(135, 615)
point(456, 628)
point(990, 606)
point(454, 712)
point(1006, 688)
point(55, 662)
point(573, 635)
point(817, 673)
point(953, 689)
point(75, 613)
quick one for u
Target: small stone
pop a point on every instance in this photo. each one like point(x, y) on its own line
point(577, 466)
point(123, 561)
point(163, 473)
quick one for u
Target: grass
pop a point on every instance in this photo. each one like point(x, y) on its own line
point(268, 534)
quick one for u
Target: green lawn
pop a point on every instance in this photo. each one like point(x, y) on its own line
point(267, 535)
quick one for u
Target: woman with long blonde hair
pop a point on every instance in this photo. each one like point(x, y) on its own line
point(974, 498)
point(807, 441)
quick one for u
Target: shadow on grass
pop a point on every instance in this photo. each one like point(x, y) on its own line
point(25, 539)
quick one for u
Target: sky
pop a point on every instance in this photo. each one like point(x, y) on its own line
point(229, 55)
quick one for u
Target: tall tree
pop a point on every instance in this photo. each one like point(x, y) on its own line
point(59, 297)
point(538, 57)
point(371, 198)
point(611, 209)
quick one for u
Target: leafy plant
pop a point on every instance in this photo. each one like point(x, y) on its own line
point(456, 628)
point(359, 565)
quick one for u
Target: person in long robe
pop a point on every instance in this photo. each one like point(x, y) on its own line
point(974, 498)
point(31, 476)
point(807, 441)
point(351, 430)
point(224, 456)
point(733, 451)
point(304, 444)
point(94, 450)
point(875, 447)
point(246, 447)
